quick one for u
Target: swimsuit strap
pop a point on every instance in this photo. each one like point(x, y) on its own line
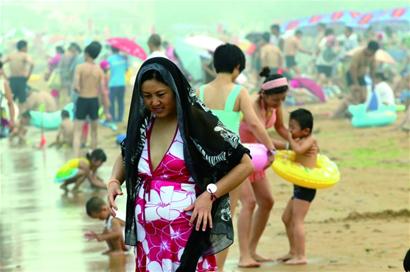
point(230, 101)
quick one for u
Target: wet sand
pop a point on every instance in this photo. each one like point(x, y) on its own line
point(361, 224)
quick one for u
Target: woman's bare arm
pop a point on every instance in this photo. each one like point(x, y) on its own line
point(280, 126)
point(253, 121)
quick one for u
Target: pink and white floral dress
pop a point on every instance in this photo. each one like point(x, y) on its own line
point(162, 224)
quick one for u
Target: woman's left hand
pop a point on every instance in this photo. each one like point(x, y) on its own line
point(201, 211)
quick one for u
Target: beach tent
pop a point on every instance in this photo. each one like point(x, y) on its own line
point(309, 24)
point(332, 19)
point(341, 18)
point(398, 18)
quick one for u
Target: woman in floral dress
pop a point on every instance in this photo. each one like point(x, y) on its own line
point(179, 163)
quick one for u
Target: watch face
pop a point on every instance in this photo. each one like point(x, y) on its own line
point(211, 188)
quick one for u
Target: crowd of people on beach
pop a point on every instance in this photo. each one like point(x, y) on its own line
point(183, 161)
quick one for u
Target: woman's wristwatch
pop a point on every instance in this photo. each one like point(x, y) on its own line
point(212, 188)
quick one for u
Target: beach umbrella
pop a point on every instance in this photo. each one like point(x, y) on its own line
point(254, 37)
point(190, 58)
point(127, 46)
point(204, 42)
point(381, 55)
point(246, 46)
point(304, 24)
point(398, 17)
point(341, 17)
point(309, 24)
point(293, 24)
point(364, 20)
point(310, 85)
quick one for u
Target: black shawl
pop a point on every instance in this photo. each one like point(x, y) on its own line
point(210, 152)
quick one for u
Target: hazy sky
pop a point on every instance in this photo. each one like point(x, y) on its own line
point(169, 16)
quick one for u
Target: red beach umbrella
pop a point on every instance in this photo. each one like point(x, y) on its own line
point(127, 46)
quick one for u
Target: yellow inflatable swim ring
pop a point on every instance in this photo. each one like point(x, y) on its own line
point(325, 175)
point(69, 170)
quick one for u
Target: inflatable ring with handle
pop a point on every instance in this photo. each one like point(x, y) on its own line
point(325, 175)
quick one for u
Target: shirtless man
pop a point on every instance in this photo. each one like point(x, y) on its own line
point(89, 83)
point(270, 55)
point(290, 48)
point(21, 66)
point(363, 61)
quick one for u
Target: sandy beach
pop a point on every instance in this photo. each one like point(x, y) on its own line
point(361, 224)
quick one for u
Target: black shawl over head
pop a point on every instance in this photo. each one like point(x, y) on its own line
point(210, 152)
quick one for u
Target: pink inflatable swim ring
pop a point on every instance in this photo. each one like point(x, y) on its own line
point(259, 155)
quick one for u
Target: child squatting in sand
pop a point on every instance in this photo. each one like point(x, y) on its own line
point(76, 170)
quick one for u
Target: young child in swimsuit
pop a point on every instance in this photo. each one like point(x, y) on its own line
point(65, 132)
point(305, 146)
point(78, 169)
point(113, 233)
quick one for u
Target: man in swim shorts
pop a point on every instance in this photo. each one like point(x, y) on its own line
point(20, 66)
point(89, 83)
point(291, 47)
point(363, 62)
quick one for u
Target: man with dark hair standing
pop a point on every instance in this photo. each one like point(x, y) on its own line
point(275, 38)
point(21, 66)
point(350, 39)
point(89, 84)
point(154, 44)
point(363, 62)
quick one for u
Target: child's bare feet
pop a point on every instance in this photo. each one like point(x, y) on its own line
point(284, 258)
point(248, 263)
point(296, 261)
point(261, 259)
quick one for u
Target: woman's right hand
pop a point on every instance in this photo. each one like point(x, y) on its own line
point(114, 190)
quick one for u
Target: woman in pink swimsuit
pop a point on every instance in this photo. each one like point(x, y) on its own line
point(179, 163)
point(257, 190)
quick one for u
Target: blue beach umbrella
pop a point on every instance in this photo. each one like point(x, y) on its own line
point(190, 58)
